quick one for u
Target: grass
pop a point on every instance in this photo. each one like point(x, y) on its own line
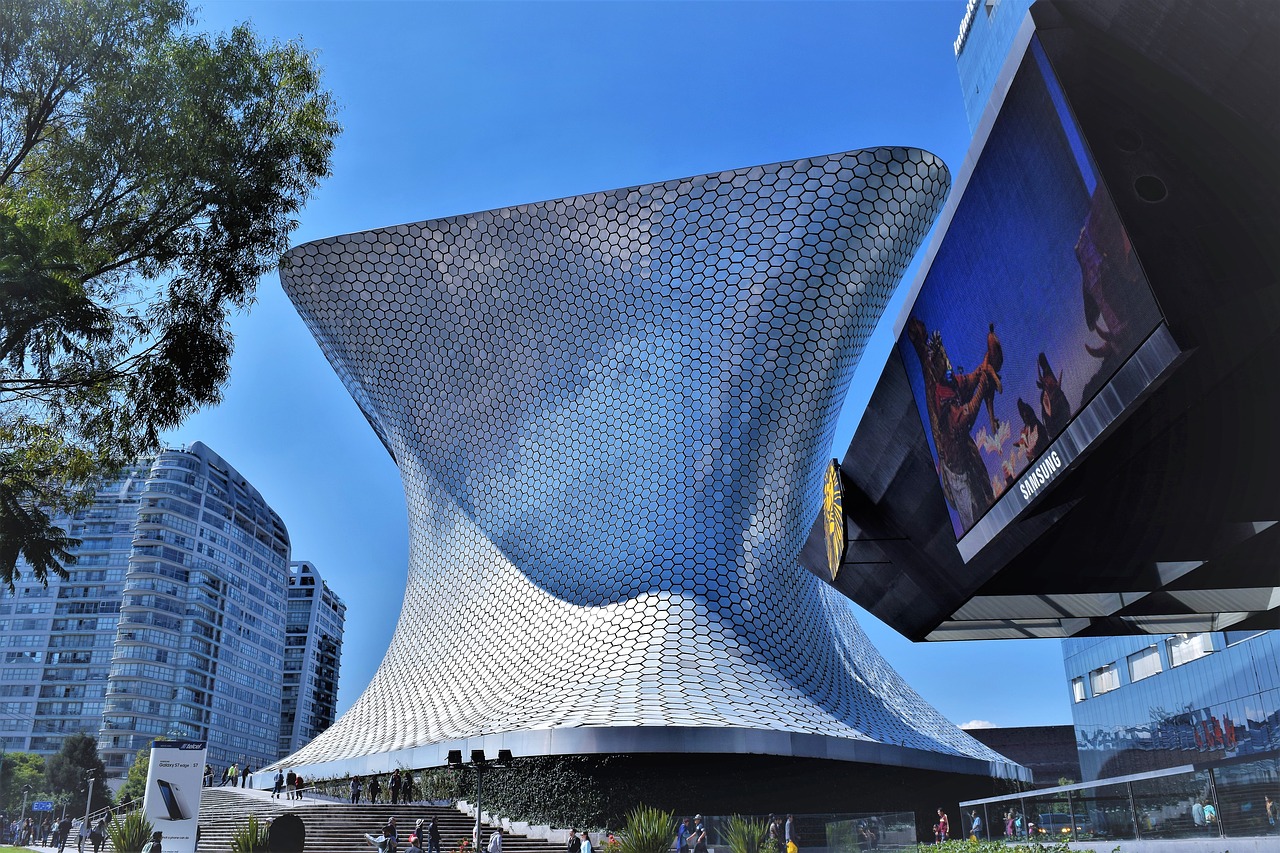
point(7, 849)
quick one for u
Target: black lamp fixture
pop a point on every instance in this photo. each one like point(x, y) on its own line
point(477, 756)
point(455, 758)
point(504, 758)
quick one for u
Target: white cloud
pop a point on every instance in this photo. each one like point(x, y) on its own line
point(978, 724)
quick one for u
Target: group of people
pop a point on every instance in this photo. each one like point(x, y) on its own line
point(575, 843)
point(51, 833)
point(1204, 815)
point(425, 838)
point(780, 835)
point(230, 776)
point(291, 783)
point(401, 786)
point(941, 829)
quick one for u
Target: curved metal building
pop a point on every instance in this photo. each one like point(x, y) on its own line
point(612, 414)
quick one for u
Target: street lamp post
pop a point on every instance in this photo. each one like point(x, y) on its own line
point(88, 804)
point(480, 763)
point(22, 819)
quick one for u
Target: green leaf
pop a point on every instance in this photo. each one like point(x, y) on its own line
point(149, 176)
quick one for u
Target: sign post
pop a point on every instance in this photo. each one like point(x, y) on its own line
point(172, 800)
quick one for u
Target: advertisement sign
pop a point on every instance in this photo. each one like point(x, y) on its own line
point(1033, 302)
point(172, 801)
point(833, 517)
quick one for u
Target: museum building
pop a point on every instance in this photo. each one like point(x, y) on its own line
point(612, 414)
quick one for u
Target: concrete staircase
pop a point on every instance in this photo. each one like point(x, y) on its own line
point(334, 827)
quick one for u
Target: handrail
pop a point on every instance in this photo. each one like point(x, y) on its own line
point(112, 812)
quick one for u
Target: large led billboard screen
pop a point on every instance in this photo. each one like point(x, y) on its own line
point(1033, 301)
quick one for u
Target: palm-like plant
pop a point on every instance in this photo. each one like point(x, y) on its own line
point(647, 830)
point(250, 838)
point(744, 835)
point(130, 833)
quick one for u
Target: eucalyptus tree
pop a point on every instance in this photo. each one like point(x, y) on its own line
point(150, 174)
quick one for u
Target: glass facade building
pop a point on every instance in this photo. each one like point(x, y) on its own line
point(170, 623)
point(987, 31)
point(1149, 703)
point(1178, 738)
point(56, 641)
point(312, 656)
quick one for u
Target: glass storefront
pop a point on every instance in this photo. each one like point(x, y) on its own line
point(1227, 799)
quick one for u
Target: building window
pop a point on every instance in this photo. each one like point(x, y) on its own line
point(1077, 689)
point(1234, 637)
point(1144, 664)
point(1104, 679)
point(1184, 648)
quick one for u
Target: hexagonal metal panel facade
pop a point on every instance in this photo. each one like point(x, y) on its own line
point(612, 414)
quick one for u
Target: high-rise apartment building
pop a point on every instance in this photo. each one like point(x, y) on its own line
point(170, 623)
point(56, 641)
point(312, 655)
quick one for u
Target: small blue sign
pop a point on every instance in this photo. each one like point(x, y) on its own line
point(42, 806)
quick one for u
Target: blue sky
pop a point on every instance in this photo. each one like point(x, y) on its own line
point(455, 107)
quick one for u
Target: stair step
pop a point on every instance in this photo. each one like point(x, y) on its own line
point(336, 827)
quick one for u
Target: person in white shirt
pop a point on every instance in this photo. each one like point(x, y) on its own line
point(495, 842)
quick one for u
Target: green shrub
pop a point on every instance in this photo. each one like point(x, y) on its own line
point(128, 834)
point(438, 783)
point(250, 838)
point(743, 835)
point(647, 830)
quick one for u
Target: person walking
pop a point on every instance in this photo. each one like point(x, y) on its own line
point(792, 842)
point(98, 835)
point(244, 775)
point(495, 842)
point(433, 836)
point(154, 845)
point(395, 787)
point(290, 782)
point(375, 788)
point(586, 843)
point(63, 832)
point(279, 783)
point(682, 837)
point(208, 775)
point(355, 790)
point(298, 784)
point(699, 837)
point(233, 772)
point(574, 844)
point(392, 834)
